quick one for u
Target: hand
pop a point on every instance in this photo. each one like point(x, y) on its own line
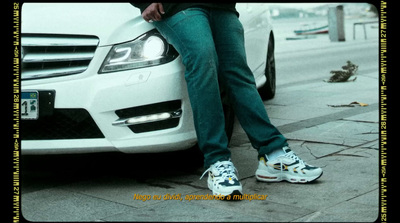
point(153, 12)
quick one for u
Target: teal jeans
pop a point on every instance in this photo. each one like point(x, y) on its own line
point(211, 44)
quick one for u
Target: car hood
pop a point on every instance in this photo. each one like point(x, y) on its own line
point(111, 22)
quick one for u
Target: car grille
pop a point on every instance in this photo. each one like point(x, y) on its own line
point(62, 124)
point(45, 56)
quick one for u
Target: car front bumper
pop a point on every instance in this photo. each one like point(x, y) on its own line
point(87, 107)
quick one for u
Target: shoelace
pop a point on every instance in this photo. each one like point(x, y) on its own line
point(226, 168)
point(292, 155)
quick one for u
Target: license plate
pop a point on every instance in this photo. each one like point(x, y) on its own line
point(29, 105)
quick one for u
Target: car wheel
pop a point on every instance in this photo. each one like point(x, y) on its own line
point(268, 90)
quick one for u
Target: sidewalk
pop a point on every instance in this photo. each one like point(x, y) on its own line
point(343, 141)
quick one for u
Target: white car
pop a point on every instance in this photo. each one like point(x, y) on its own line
point(96, 77)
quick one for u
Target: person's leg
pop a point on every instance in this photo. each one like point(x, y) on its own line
point(276, 161)
point(238, 79)
point(190, 33)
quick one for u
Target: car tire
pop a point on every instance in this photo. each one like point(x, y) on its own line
point(267, 91)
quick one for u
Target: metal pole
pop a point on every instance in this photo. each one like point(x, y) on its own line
point(336, 23)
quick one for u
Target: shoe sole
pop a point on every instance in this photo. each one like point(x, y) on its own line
point(233, 197)
point(236, 191)
point(290, 179)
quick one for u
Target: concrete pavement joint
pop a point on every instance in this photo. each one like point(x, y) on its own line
point(330, 143)
point(359, 195)
point(338, 153)
point(100, 198)
point(314, 215)
point(318, 213)
point(187, 184)
point(308, 123)
point(359, 121)
point(365, 133)
point(309, 150)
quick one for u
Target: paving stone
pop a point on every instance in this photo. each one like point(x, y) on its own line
point(123, 190)
point(371, 198)
point(343, 212)
point(339, 133)
point(266, 210)
point(184, 211)
point(372, 145)
point(318, 150)
point(297, 112)
point(372, 116)
point(344, 178)
point(59, 205)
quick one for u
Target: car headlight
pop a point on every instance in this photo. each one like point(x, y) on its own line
point(150, 49)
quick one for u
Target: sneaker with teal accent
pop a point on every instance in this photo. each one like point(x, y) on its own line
point(222, 179)
point(287, 167)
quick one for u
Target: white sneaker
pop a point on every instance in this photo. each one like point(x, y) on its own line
point(287, 167)
point(222, 179)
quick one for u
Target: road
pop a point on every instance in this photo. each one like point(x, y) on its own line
point(313, 63)
point(341, 140)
